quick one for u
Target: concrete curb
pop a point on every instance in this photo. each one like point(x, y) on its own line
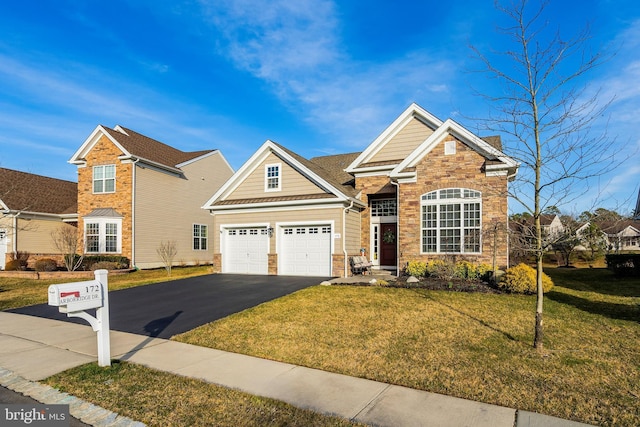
point(84, 411)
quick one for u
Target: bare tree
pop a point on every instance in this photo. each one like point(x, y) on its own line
point(65, 239)
point(545, 109)
point(167, 252)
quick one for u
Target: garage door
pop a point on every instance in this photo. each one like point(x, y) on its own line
point(305, 251)
point(245, 251)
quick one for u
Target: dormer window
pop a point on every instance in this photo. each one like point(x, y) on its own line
point(272, 177)
point(104, 179)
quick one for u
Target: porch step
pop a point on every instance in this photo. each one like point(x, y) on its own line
point(388, 272)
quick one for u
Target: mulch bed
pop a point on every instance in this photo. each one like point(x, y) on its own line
point(454, 285)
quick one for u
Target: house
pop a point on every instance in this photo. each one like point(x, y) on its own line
point(623, 235)
point(522, 230)
point(31, 208)
point(423, 189)
point(135, 193)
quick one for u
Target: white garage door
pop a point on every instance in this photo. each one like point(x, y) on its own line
point(245, 251)
point(305, 251)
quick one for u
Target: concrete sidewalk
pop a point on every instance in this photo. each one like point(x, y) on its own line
point(35, 348)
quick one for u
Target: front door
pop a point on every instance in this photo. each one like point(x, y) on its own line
point(388, 245)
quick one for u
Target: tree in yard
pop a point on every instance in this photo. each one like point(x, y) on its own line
point(65, 239)
point(566, 242)
point(594, 240)
point(167, 252)
point(547, 116)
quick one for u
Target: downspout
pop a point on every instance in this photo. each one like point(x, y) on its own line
point(344, 238)
point(509, 177)
point(14, 244)
point(398, 230)
point(133, 214)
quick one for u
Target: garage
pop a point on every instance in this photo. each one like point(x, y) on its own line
point(305, 250)
point(245, 250)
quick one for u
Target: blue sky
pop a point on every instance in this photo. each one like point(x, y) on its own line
point(319, 77)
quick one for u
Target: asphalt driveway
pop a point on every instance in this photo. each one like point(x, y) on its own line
point(169, 308)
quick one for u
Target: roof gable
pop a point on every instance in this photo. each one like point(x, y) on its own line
point(497, 161)
point(22, 191)
point(411, 116)
point(135, 145)
point(329, 186)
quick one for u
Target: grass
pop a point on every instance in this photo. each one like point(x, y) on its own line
point(16, 292)
point(159, 399)
point(469, 345)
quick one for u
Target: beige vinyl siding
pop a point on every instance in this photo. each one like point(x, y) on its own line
point(352, 221)
point(34, 236)
point(402, 144)
point(167, 207)
point(293, 183)
point(321, 216)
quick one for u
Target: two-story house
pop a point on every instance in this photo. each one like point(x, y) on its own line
point(32, 207)
point(135, 192)
point(423, 189)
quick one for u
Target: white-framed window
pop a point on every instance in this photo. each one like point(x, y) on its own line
point(104, 179)
point(273, 177)
point(451, 221)
point(200, 237)
point(103, 235)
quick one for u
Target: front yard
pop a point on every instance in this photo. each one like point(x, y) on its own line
point(471, 345)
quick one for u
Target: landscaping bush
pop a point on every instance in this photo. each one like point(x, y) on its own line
point(440, 269)
point(14, 265)
point(624, 265)
point(521, 279)
point(121, 262)
point(104, 265)
point(46, 264)
point(416, 268)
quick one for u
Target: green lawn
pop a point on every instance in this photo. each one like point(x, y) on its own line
point(475, 346)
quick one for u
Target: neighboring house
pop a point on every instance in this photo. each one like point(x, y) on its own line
point(523, 230)
point(135, 192)
point(31, 208)
point(622, 235)
point(423, 189)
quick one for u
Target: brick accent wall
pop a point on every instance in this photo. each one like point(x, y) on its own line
point(272, 264)
point(464, 169)
point(217, 263)
point(105, 152)
point(337, 265)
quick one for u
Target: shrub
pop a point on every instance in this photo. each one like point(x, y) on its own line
point(416, 268)
point(521, 279)
point(14, 265)
point(104, 265)
point(440, 269)
point(20, 257)
point(624, 265)
point(46, 264)
point(89, 260)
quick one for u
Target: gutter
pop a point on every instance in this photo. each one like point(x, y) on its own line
point(398, 230)
point(344, 238)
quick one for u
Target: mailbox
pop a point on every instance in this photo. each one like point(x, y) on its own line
point(78, 296)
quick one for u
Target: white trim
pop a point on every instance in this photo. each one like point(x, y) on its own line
point(88, 144)
point(278, 209)
point(280, 226)
point(102, 224)
point(204, 156)
point(193, 237)
point(103, 179)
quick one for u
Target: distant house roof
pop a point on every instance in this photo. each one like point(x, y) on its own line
point(136, 145)
point(22, 191)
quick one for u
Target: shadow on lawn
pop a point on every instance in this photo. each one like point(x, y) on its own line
point(599, 280)
point(610, 310)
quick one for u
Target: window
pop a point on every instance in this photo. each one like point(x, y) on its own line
point(272, 176)
point(199, 237)
point(103, 236)
point(104, 179)
point(384, 207)
point(451, 221)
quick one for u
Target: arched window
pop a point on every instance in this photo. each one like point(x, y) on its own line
point(451, 221)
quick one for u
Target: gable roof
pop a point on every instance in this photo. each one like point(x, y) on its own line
point(137, 146)
point(329, 180)
point(489, 147)
point(22, 191)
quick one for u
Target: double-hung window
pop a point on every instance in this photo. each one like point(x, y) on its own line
point(104, 179)
point(199, 237)
point(451, 221)
point(103, 236)
point(273, 177)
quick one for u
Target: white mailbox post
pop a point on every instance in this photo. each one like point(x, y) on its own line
point(74, 298)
